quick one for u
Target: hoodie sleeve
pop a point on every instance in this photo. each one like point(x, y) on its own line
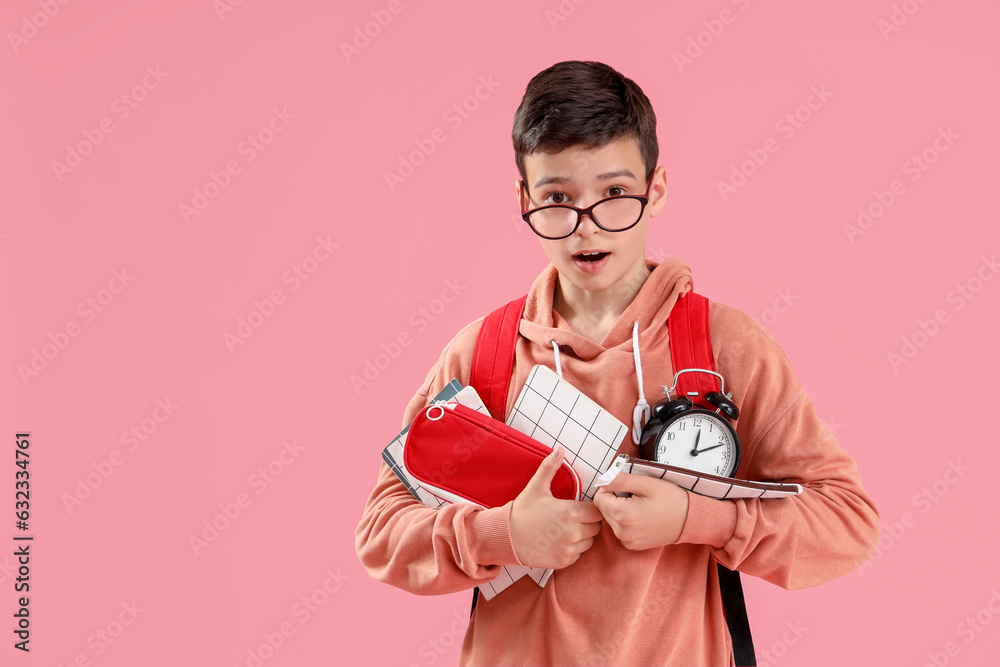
point(433, 551)
point(828, 530)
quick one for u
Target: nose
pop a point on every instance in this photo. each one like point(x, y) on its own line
point(587, 225)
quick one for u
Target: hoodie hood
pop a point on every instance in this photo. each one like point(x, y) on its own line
point(542, 324)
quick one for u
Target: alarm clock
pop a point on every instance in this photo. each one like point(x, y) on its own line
point(684, 435)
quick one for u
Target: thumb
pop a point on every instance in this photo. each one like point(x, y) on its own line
point(618, 484)
point(541, 481)
point(636, 485)
point(627, 483)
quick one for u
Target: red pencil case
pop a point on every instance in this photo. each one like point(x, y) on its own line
point(461, 455)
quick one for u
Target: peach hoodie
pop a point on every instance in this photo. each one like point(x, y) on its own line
point(615, 606)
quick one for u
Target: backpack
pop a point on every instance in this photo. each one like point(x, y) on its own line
point(690, 347)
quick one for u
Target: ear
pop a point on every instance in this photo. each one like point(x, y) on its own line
point(657, 191)
point(519, 190)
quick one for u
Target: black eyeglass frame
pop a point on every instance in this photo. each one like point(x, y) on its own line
point(580, 212)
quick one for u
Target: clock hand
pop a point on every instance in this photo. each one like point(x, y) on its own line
point(697, 437)
point(713, 447)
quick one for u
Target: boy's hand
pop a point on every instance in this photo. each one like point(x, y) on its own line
point(652, 517)
point(546, 531)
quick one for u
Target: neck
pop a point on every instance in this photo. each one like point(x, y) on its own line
point(598, 309)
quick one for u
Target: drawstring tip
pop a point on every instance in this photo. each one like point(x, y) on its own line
point(640, 416)
point(555, 349)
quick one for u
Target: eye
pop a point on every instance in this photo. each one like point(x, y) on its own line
point(616, 191)
point(556, 198)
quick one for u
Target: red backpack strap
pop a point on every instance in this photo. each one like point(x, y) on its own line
point(691, 346)
point(493, 359)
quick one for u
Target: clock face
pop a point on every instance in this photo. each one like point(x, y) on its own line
point(699, 440)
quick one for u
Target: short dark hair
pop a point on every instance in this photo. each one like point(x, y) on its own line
point(583, 103)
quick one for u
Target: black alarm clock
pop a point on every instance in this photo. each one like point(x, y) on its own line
point(681, 434)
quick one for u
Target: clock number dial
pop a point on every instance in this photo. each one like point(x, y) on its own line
point(699, 440)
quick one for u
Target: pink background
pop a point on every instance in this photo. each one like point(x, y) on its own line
point(778, 243)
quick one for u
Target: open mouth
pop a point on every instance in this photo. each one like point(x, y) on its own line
point(590, 256)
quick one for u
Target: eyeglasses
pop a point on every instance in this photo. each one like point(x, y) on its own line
point(613, 214)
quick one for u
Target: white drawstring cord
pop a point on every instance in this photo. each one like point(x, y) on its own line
point(641, 412)
point(555, 347)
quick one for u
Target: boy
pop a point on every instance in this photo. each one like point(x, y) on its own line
point(636, 579)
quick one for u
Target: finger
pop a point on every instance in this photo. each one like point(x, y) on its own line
point(639, 485)
point(584, 545)
point(603, 499)
point(612, 507)
point(583, 531)
point(592, 529)
point(541, 481)
point(588, 513)
point(606, 502)
point(618, 483)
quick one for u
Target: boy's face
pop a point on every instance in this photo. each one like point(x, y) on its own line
point(578, 176)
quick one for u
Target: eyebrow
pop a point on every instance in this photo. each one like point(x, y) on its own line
point(608, 175)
